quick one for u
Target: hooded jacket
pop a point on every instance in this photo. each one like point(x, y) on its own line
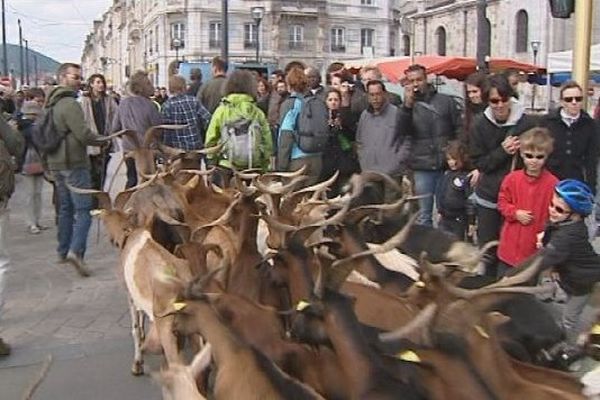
point(69, 121)
point(436, 119)
point(575, 152)
point(486, 150)
point(234, 107)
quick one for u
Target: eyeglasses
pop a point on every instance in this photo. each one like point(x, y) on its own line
point(498, 100)
point(559, 209)
point(570, 99)
point(530, 156)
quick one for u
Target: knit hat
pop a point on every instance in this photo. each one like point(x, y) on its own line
point(31, 108)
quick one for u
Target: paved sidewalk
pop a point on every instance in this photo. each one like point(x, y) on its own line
point(82, 322)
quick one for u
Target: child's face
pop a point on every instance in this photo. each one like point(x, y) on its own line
point(453, 163)
point(534, 161)
point(558, 209)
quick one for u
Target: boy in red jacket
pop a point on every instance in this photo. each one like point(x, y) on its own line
point(524, 198)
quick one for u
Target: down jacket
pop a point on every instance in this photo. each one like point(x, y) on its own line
point(436, 119)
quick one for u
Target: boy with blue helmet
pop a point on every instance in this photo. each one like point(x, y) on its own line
point(568, 251)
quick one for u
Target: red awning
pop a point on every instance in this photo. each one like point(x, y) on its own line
point(450, 67)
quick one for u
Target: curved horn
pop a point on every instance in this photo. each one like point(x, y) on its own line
point(153, 133)
point(277, 189)
point(370, 176)
point(528, 273)
point(222, 219)
point(294, 174)
point(419, 322)
point(198, 171)
point(104, 201)
point(120, 133)
point(277, 225)
point(391, 244)
point(170, 152)
point(209, 150)
point(471, 293)
point(319, 187)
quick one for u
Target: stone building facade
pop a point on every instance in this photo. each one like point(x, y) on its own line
point(138, 34)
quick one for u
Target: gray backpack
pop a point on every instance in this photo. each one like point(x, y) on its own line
point(312, 129)
point(240, 138)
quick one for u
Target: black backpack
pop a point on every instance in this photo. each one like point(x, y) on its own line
point(44, 134)
point(312, 130)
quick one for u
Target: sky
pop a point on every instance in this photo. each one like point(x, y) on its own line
point(56, 28)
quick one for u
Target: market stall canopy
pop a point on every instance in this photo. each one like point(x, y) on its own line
point(450, 67)
point(562, 61)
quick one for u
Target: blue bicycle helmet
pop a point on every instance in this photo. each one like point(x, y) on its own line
point(577, 195)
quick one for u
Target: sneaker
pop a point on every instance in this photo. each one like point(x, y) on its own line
point(78, 263)
point(42, 227)
point(4, 348)
point(34, 230)
point(61, 259)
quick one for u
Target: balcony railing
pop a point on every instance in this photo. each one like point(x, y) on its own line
point(296, 45)
point(249, 44)
point(214, 43)
point(338, 48)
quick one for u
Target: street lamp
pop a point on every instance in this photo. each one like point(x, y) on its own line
point(258, 13)
point(535, 47)
point(176, 43)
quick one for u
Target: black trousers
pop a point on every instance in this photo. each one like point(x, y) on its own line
point(489, 222)
point(131, 173)
point(455, 225)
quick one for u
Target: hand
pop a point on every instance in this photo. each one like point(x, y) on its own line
point(511, 144)
point(472, 230)
point(409, 95)
point(524, 217)
point(474, 177)
point(539, 239)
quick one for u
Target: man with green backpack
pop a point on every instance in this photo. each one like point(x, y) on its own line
point(11, 145)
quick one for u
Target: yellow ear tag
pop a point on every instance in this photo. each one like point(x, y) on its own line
point(420, 284)
point(302, 305)
point(409, 356)
point(481, 331)
point(170, 271)
point(595, 329)
point(179, 306)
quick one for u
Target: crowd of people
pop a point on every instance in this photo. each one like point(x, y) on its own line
point(484, 170)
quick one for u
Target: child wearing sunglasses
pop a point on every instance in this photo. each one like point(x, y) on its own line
point(568, 251)
point(523, 200)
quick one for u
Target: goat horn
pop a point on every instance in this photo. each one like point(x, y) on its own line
point(223, 219)
point(419, 322)
point(104, 200)
point(274, 223)
point(152, 133)
point(319, 187)
point(115, 135)
point(197, 171)
point(469, 294)
point(294, 174)
point(275, 189)
point(370, 176)
point(391, 244)
point(209, 150)
point(523, 276)
point(169, 151)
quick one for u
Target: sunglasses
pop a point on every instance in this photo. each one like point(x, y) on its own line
point(496, 100)
point(570, 99)
point(530, 156)
point(559, 209)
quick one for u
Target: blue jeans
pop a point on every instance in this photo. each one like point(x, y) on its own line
point(74, 217)
point(425, 183)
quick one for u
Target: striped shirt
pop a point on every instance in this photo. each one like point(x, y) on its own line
point(183, 109)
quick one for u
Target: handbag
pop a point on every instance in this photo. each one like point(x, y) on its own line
point(32, 164)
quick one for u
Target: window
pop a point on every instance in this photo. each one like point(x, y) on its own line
point(522, 32)
point(214, 34)
point(157, 42)
point(338, 40)
point(406, 45)
point(366, 38)
point(250, 36)
point(440, 34)
point(150, 37)
point(296, 36)
point(366, 2)
point(178, 32)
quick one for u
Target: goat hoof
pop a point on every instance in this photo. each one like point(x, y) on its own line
point(137, 369)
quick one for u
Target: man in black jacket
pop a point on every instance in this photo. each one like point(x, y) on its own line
point(436, 119)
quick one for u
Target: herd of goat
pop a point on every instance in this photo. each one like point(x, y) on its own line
point(268, 289)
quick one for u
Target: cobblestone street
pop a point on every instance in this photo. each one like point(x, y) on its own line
point(82, 322)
